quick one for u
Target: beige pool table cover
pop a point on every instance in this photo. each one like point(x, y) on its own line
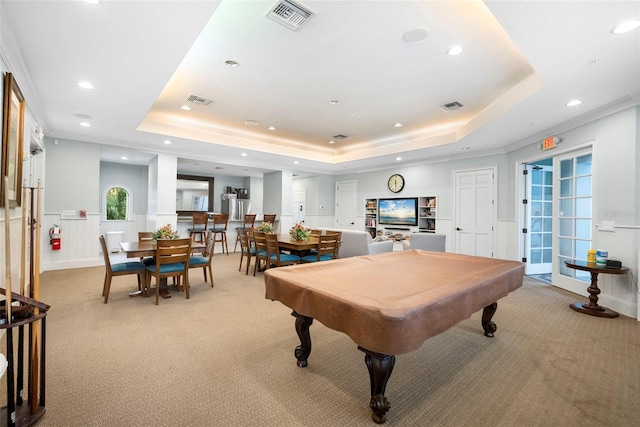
point(391, 303)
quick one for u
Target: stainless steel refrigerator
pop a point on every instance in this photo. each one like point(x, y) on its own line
point(236, 208)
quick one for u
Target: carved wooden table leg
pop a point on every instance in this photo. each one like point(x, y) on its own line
point(302, 328)
point(488, 326)
point(380, 367)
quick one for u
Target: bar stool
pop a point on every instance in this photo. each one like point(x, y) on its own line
point(199, 227)
point(248, 222)
point(219, 230)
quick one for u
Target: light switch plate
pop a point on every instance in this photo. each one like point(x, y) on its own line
point(607, 226)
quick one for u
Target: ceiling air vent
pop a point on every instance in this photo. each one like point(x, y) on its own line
point(451, 106)
point(199, 101)
point(291, 15)
point(340, 137)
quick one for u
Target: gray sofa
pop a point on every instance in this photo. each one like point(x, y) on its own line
point(355, 243)
point(427, 242)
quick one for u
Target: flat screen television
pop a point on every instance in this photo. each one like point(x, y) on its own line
point(398, 211)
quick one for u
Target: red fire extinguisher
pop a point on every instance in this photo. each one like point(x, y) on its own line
point(55, 237)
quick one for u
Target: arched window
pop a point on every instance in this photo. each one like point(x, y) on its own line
point(117, 200)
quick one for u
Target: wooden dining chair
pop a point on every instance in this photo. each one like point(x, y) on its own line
point(262, 252)
point(247, 248)
point(270, 218)
point(275, 256)
point(199, 227)
point(327, 245)
point(145, 236)
point(172, 259)
point(248, 222)
point(219, 229)
point(338, 235)
point(204, 260)
point(120, 269)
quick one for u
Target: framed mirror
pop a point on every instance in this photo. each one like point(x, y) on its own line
point(194, 194)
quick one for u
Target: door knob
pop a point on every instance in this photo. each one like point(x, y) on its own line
point(458, 229)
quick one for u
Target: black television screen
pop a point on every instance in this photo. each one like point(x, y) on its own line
point(399, 211)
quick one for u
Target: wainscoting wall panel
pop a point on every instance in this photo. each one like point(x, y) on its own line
point(79, 242)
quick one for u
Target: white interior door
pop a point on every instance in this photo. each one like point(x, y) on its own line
point(299, 206)
point(475, 214)
point(346, 193)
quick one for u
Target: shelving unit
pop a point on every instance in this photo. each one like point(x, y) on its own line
point(427, 213)
point(371, 216)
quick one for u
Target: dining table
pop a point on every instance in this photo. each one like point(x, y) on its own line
point(147, 248)
point(297, 246)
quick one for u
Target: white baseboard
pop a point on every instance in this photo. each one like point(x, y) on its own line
point(74, 263)
point(623, 307)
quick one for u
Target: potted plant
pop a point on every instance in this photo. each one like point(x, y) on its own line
point(265, 227)
point(164, 232)
point(299, 232)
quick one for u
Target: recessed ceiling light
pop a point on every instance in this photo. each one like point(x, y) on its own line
point(465, 148)
point(455, 50)
point(574, 102)
point(85, 124)
point(334, 102)
point(398, 159)
point(332, 142)
point(415, 36)
point(271, 128)
point(85, 85)
point(166, 141)
point(124, 158)
point(397, 125)
point(244, 154)
point(251, 122)
point(231, 63)
point(295, 162)
point(625, 27)
point(185, 108)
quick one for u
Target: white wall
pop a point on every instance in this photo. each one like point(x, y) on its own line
point(616, 144)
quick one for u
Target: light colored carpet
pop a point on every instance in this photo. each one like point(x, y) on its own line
point(225, 358)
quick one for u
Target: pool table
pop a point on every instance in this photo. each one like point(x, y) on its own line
point(390, 303)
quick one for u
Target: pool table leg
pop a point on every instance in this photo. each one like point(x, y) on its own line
point(302, 351)
point(380, 367)
point(488, 326)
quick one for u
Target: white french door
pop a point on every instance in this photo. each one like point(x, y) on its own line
point(539, 238)
point(573, 228)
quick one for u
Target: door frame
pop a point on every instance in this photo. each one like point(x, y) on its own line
point(520, 193)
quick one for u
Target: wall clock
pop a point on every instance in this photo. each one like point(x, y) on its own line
point(396, 183)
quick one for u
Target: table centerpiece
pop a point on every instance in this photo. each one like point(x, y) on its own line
point(164, 232)
point(265, 227)
point(299, 232)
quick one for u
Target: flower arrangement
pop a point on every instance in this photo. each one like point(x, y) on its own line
point(265, 227)
point(164, 232)
point(299, 232)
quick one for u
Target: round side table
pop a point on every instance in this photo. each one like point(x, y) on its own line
point(592, 308)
